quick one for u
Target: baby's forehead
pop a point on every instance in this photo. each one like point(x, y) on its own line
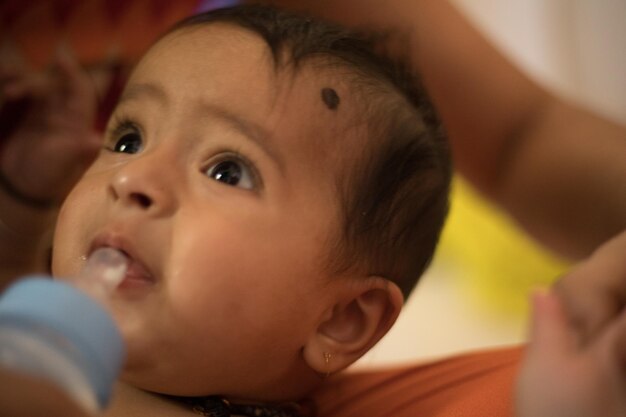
point(244, 44)
point(317, 92)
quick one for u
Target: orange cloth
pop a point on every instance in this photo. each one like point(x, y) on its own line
point(472, 385)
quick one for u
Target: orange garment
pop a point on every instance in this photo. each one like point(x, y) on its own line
point(471, 385)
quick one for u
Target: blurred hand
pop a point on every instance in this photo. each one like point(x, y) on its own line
point(564, 375)
point(594, 293)
point(46, 121)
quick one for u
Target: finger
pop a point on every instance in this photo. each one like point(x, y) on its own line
point(69, 68)
point(32, 85)
point(77, 86)
point(595, 292)
point(588, 301)
point(618, 337)
point(66, 61)
point(551, 334)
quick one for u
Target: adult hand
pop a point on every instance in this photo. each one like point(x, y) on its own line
point(563, 375)
point(594, 293)
point(46, 121)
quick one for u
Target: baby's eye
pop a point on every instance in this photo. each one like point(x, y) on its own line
point(126, 138)
point(128, 143)
point(232, 172)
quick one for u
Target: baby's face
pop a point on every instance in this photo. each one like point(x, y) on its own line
point(217, 180)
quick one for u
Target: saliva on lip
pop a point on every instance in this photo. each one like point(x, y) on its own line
point(61, 330)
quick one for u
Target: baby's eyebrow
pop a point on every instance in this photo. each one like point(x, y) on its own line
point(137, 90)
point(246, 127)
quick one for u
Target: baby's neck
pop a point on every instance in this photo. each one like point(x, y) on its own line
point(129, 401)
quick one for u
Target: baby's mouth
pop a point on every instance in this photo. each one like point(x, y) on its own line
point(137, 275)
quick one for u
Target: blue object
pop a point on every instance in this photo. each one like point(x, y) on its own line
point(69, 322)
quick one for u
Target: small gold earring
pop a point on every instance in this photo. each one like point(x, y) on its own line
point(327, 357)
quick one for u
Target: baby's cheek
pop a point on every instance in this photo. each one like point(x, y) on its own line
point(67, 243)
point(61, 264)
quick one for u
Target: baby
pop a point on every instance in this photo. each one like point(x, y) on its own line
point(278, 189)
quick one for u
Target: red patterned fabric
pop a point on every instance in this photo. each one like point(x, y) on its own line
point(106, 36)
point(97, 31)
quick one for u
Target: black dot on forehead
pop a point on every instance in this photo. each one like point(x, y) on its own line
point(330, 98)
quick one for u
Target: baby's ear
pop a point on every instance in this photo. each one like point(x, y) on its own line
point(367, 310)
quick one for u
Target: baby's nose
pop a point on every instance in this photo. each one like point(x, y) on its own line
point(143, 185)
point(141, 199)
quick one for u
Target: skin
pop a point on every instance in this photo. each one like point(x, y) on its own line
point(50, 400)
point(233, 296)
point(562, 376)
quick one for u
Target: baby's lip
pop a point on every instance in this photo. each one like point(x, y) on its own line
point(137, 273)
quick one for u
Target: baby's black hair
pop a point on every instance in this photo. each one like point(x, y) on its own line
point(394, 195)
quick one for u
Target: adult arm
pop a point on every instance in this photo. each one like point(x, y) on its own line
point(557, 168)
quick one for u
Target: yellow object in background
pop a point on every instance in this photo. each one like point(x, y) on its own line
point(491, 260)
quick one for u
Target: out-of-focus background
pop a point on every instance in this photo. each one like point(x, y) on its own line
point(475, 293)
